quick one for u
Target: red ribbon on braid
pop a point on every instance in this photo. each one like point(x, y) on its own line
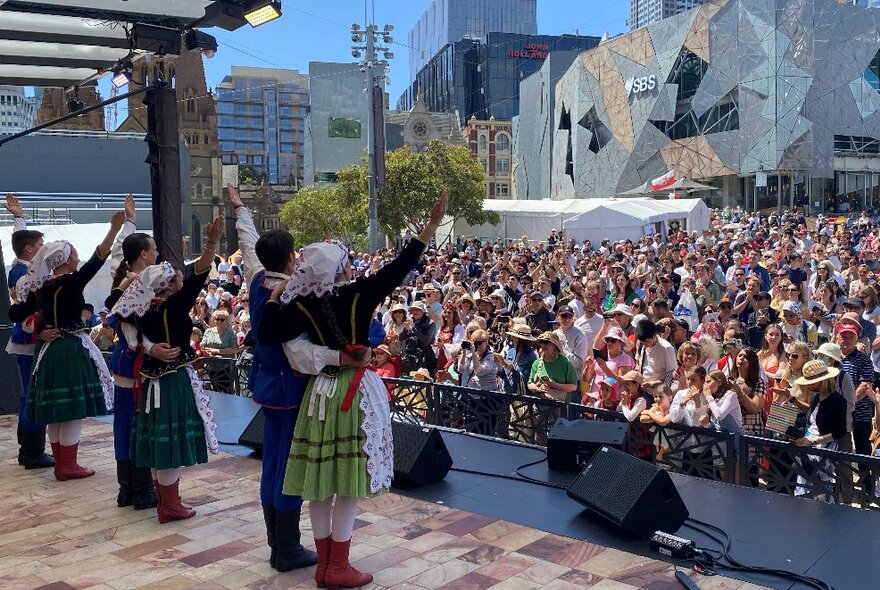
point(356, 380)
point(137, 388)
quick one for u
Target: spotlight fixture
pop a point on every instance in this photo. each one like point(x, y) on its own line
point(263, 12)
point(74, 103)
point(388, 28)
point(355, 53)
point(196, 39)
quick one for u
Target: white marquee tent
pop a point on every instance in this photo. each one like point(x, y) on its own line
point(593, 219)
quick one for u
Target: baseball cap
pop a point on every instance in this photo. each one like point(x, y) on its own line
point(847, 328)
point(565, 309)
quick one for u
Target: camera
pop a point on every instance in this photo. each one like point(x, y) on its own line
point(465, 345)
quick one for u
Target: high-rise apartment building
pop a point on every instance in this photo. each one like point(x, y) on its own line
point(17, 111)
point(261, 114)
point(447, 21)
point(645, 12)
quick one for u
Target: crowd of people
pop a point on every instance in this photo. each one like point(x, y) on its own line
point(759, 325)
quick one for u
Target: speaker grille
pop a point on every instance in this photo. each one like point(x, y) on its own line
point(615, 483)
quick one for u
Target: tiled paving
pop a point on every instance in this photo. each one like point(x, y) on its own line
point(70, 535)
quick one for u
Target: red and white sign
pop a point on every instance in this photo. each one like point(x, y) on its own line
point(661, 182)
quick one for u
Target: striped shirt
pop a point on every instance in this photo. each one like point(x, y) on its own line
point(858, 365)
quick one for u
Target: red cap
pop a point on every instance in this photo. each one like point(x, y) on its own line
point(847, 328)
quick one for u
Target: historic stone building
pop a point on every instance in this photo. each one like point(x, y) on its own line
point(418, 127)
point(54, 105)
point(491, 145)
point(197, 123)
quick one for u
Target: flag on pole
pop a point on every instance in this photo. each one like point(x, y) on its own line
point(661, 182)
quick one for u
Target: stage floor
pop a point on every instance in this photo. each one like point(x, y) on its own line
point(65, 535)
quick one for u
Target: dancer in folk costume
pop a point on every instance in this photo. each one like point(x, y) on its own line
point(25, 244)
point(342, 445)
point(70, 380)
point(173, 425)
point(269, 260)
point(132, 253)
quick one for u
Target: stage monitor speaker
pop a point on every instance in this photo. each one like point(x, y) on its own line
point(633, 494)
point(252, 437)
point(572, 443)
point(420, 455)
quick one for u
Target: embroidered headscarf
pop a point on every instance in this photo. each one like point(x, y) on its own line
point(316, 270)
point(137, 297)
point(48, 258)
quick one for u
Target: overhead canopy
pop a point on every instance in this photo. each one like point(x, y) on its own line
point(64, 42)
point(617, 219)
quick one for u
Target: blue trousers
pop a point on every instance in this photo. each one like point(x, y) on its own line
point(277, 438)
point(123, 418)
point(25, 362)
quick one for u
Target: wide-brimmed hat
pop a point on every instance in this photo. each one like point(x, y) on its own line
point(552, 338)
point(420, 306)
point(421, 375)
point(831, 350)
point(616, 333)
point(521, 331)
point(624, 309)
point(816, 371)
point(397, 307)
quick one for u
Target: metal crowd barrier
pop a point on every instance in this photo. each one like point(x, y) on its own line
point(764, 463)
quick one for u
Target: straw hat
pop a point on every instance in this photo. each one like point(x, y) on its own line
point(816, 371)
point(552, 338)
point(398, 307)
point(521, 331)
point(421, 375)
point(633, 376)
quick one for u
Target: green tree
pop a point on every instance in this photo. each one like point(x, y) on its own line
point(413, 181)
point(317, 213)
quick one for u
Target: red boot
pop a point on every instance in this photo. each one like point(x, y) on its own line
point(169, 507)
point(340, 572)
point(323, 547)
point(66, 466)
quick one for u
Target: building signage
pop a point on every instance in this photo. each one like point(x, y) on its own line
point(531, 51)
point(636, 87)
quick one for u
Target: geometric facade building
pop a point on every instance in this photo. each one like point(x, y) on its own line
point(17, 110)
point(774, 102)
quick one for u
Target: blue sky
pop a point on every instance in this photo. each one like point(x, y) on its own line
point(319, 31)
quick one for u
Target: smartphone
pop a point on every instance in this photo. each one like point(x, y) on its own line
point(465, 345)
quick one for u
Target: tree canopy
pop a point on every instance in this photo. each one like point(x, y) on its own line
point(413, 181)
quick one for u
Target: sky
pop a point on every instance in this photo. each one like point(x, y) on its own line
point(309, 30)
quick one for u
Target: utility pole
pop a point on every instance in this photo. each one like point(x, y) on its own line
point(376, 71)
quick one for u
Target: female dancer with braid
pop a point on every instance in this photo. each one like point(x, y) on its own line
point(173, 426)
point(69, 380)
point(342, 446)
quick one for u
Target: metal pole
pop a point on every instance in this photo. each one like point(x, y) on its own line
point(370, 58)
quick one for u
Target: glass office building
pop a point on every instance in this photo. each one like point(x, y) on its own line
point(481, 78)
point(260, 121)
point(447, 21)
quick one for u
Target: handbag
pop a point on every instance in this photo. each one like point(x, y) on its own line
point(521, 427)
point(785, 421)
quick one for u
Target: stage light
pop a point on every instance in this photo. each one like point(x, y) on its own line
point(196, 39)
point(263, 13)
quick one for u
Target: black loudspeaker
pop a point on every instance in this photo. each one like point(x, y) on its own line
point(252, 437)
point(633, 494)
point(572, 443)
point(420, 455)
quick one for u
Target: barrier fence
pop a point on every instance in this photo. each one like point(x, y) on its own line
point(765, 463)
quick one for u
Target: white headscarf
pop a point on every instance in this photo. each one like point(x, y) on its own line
point(316, 270)
point(137, 297)
point(48, 258)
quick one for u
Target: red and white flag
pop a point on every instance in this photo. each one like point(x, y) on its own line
point(661, 182)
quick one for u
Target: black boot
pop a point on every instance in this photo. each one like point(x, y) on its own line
point(18, 432)
point(143, 493)
point(33, 449)
point(123, 476)
point(269, 517)
point(291, 554)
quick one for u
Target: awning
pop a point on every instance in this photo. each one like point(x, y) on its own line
point(64, 42)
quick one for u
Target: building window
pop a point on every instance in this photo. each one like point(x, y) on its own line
point(200, 190)
point(502, 190)
point(872, 72)
point(484, 164)
point(502, 166)
point(196, 234)
point(502, 142)
point(482, 143)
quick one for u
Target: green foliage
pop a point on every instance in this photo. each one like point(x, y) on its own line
point(248, 174)
point(316, 213)
point(412, 185)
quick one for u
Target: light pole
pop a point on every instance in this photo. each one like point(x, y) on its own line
point(376, 78)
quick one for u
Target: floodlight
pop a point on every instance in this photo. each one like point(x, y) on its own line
point(263, 13)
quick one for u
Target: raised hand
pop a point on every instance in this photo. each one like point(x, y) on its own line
point(14, 206)
point(117, 221)
point(130, 208)
point(215, 230)
point(234, 196)
point(439, 209)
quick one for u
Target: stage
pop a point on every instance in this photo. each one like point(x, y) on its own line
point(834, 543)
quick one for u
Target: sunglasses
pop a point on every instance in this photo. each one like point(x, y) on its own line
point(220, 319)
point(726, 306)
point(479, 342)
point(566, 315)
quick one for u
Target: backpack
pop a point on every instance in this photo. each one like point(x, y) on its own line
point(413, 356)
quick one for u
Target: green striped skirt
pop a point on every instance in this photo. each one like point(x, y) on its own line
point(65, 384)
point(168, 431)
point(347, 453)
